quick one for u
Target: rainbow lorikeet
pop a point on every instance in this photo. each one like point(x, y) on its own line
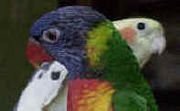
point(103, 72)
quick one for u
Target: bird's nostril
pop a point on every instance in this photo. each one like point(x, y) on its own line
point(40, 76)
point(55, 75)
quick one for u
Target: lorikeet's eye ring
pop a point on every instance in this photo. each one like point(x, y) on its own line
point(141, 26)
point(51, 35)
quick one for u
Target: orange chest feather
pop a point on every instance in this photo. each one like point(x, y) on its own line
point(90, 95)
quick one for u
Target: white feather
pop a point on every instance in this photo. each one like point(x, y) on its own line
point(42, 89)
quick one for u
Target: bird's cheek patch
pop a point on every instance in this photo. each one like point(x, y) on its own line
point(128, 34)
point(36, 54)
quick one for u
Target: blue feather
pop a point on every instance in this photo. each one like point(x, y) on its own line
point(73, 22)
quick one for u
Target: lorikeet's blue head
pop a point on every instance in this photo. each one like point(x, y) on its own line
point(61, 34)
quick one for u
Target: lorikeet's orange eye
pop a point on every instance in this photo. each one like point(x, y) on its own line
point(51, 35)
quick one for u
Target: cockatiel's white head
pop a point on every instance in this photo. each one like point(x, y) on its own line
point(144, 36)
point(43, 88)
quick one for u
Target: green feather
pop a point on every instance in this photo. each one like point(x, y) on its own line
point(129, 101)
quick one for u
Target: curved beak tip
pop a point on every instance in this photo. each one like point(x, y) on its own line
point(159, 45)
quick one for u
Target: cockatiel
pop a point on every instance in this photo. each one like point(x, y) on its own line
point(145, 37)
point(103, 73)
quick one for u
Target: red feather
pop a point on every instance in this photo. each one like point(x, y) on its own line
point(36, 55)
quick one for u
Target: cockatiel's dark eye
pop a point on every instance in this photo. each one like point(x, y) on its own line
point(51, 35)
point(141, 26)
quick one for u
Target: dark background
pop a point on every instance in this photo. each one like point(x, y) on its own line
point(16, 17)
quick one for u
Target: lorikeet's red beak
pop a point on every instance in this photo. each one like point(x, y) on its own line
point(36, 54)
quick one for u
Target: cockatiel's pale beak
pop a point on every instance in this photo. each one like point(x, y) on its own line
point(159, 44)
point(36, 54)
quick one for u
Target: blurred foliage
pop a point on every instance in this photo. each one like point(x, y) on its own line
point(15, 70)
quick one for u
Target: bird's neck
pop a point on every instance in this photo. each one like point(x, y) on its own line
point(120, 64)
